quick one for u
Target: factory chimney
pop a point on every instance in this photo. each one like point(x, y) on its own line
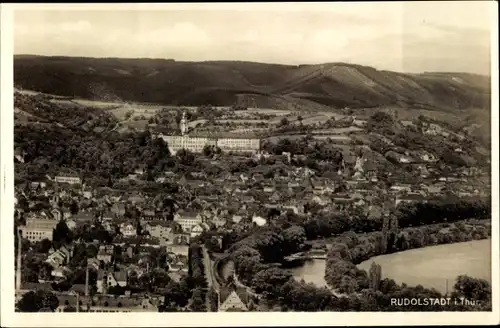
point(19, 255)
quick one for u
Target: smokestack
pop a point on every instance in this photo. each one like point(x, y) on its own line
point(18, 270)
point(87, 281)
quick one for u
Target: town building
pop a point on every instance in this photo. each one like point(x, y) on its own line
point(118, 209)
point(106, 279)
point(182, 239)
point(219, 221)
point(68, 179)
point(187, 220)
point(37, 229)
point(161, 230)
point(233, 143)
point(105, 253)
point(87, 194)
point(258, 220)
point(410, 198)
point(193, 144)
point(59, 257)
point(108, 303)
point(128, 230)
point(198, 229)
point(71, 224)
point(60, 273)
point(233, 298)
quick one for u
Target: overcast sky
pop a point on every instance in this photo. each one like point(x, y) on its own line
point(409, 37)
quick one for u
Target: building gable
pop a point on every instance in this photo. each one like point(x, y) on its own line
point(233, 301)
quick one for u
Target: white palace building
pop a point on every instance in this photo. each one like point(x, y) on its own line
point(197, 143)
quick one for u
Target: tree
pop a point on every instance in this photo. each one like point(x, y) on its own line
point(43, 246)
point(92, 251)
point(45, 271)
point(270, 280)
point(380, 120)
point(117, 254)
point(69, 308)
point(273, 212)
point(198, 302)
point(116, 290)
point(158, 278)
point(61, 234)
point(375, 276)
point(138, 228)
point(284, 122)
point(473, 289)
point(74, 208)
point(177, 293)
point(247, 264)
point(347, 285)
point(212, 244)
point(294, 239)
point(208, 150)
point(299, 296)
point(185, 156)
point(33, 301)
point(213, 299)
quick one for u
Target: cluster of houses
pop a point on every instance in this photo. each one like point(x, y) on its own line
point(230, 202)
point(234, 201)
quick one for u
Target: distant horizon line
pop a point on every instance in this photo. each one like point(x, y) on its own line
point(249, 61)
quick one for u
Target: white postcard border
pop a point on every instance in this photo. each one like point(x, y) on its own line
point(11, 319)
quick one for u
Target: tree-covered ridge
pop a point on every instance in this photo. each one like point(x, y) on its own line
point(224, 83)
point(42, 108)
point(48, 151)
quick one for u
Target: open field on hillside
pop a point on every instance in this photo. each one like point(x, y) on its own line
point(119, 113)
point(138, 125)
point(242, 121)
point(332, 137)
point(22, 112)
point(193, 124)
point(136, 110)
point(27, 92)
point(97, 103)
point(339, 138)
point(409, 114)
point(266, 111)
point(248, 130)
point(63, 102)
point(338, 130)
point(308, 118)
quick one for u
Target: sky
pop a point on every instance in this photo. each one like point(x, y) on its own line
point(398, 36)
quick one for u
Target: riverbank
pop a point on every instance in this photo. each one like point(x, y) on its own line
point(255, 259)
point(434, 266)
point(350, 249)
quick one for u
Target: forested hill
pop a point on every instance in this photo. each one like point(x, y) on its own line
point(225, 83)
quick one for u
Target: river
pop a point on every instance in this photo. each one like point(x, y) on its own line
point(429, 266)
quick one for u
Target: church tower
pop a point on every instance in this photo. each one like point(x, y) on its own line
point(183, 124)
point(359, 164)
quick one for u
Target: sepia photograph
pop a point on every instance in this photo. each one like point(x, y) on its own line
point(300, 160)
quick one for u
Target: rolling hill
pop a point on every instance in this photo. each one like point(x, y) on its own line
point(223, 83)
